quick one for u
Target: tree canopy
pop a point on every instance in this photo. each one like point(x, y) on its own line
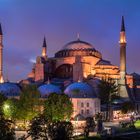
point(2, 99)
point(29, 102)
point(58, 107)
point(10, 108)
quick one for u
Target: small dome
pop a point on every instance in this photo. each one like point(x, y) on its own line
point(77, 45)
point(47, 89)
point(9, 89)
point(80, 90)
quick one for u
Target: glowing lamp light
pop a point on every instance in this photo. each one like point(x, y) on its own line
point(1, 79)
point(122, 37)
point(122, 40)
point(6, 106)
point(43, 54)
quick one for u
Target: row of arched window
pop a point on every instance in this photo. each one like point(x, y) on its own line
point(68, 53)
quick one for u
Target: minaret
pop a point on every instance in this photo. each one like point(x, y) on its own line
point(1, 56)
point(122, 42)
point(44, 49)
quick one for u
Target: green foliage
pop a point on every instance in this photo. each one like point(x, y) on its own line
point(137, 124)
point(58, 107)
point(2, 99)
point(29, 103)
point(6, 130)
point(127, 107)
point(10, 108)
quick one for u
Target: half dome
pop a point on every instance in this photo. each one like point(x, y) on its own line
point(46, 89)
point(80, 90)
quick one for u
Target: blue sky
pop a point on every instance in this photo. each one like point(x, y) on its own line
point(25, 22)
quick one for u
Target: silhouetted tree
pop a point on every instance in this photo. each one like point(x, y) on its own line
point(90, 126)
point(98, 117)
point(127, 107)
point(38, 128)
point(6, 130)
point(41, 128)
point(60, 130)
point(108, 91)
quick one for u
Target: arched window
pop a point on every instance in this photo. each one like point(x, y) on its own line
point(82, 104)
point(87, 104)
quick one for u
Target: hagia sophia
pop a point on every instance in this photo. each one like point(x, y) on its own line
point(76, 70)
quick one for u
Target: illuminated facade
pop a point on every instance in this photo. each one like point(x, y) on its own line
point(79, 60)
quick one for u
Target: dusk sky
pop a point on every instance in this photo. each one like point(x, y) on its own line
point(25, 22)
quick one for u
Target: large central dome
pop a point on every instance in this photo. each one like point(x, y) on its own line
point(77, 45)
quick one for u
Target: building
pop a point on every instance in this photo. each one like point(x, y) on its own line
point(79, 61)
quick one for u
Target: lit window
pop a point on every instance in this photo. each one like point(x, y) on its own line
point(87, 104)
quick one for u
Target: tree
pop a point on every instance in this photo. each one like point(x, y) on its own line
point(127, 106)
point(58, 107)
point(2, 99)
point(60, 130)
point(108, 91)
point(98, 117)
point(38, 128)
point(29, 102)
point(6, 130)
point(90, 125)
point(10, 108)
point(41, 128)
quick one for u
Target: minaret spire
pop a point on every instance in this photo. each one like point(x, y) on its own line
point(44, 42)
point(1, 56)
point(122, 42)
point(123, 26)
point(44, 48)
